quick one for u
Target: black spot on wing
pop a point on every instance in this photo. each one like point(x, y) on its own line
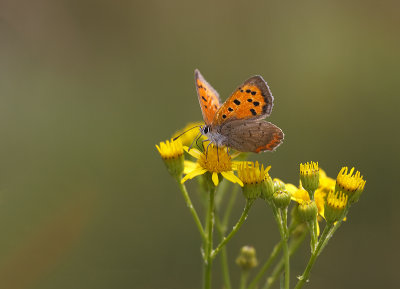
point(253, 92)
point(253, 111)
point(236, 101)
point(230, 108)
point(204, 98)
point(249, 100)
point(256, 103)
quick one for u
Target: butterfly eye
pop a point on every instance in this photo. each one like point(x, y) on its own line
point(206, 129)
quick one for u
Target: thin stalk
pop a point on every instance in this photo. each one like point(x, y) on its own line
point(272, 257)
point(249, 203)
point(243, 279)
point(224, 256)
point(313, 236)
point(293, 247)
point(304, 278)
point(189, 204)
point(209, 241)
point(285, 248)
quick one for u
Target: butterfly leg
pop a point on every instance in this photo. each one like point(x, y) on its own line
point(202, 142)
point(207, 149)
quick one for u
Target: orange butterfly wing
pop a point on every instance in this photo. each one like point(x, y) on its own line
point(251, 100)
point(208, 97)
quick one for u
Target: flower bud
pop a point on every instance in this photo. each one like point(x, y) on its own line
point(268, 188)
point(247, 258)
point(308, 211)
point(278, 185)
point(281, 199)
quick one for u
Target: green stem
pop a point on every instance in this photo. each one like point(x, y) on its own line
point(243, 279)
point(189, 204)
point(209, 240)
point(224, 256)
point(249, 203)
point(293, 247)
point(284, 237)
point(272, 257)
point(313, 235)
point(335, 227)
point(304, 278)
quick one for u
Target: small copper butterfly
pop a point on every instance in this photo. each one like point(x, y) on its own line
point(239, 122)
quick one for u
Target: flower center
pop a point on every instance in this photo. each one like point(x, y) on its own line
point(216, 161)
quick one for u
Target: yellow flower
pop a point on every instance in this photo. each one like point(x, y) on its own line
point(335, 206)
point(252, 173)
point(351, 185)
point(309, 176)
point(189, 133)
point(172, 155)
point(217, 161)
point(170, 149)
point(326, 184)
point(253, 177)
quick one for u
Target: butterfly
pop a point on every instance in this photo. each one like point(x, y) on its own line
point(239, 122)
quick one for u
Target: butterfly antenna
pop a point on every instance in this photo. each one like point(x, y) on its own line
point(175, 138)
point(195, 140)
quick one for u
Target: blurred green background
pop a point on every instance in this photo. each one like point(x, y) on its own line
point(87, 88)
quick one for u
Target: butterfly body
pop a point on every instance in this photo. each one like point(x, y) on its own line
point(239, 122)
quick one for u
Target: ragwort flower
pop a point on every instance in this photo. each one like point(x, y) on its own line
point(188, 134)
point(253, 176)
point(351, 185)
point(172, 154)
point(216, 161)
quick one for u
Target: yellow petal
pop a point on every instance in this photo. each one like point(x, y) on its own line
point(319, 197)
point(236, 164)
point(215, 179)
point(189, 166)
point(196, 172)
point(193, 152)
point(291, 188)
point(230, 176)
point(300, 196)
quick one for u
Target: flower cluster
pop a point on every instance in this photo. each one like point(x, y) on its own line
point(318, 197)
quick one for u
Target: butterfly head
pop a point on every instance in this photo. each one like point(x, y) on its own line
point(213, 135)
point(205, 129)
